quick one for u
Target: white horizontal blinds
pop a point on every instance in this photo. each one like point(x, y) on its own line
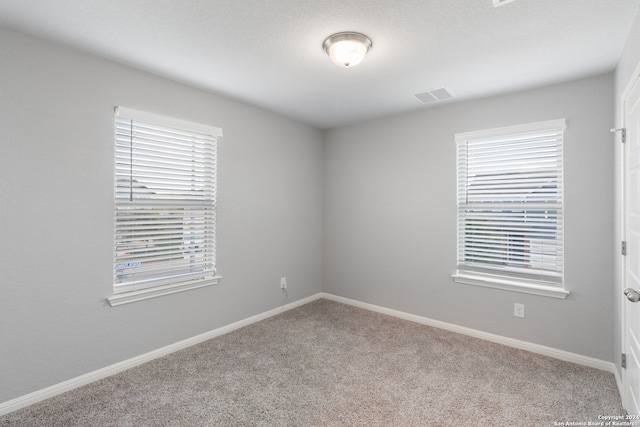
point(165, 200)
point(510, 201)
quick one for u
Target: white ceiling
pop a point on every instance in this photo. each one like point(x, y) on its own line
point(269, 52)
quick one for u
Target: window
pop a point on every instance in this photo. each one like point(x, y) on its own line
point(510, 208)
point(165, 206)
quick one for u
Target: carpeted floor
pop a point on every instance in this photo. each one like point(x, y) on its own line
point(329, 364)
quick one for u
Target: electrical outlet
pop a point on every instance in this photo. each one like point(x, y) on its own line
point(283, 283)
point(518, 310)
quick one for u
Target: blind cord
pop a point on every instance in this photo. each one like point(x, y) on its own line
point(131, 160)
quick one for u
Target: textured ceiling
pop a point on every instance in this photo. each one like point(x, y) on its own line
point(269, 53)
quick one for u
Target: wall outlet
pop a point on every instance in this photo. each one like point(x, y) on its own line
point(283, 283)
point(518, 310)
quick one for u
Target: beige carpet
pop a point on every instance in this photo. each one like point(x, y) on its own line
point(329, 364)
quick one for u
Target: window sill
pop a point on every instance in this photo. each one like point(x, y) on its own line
point(158, 291)
point(506, 284)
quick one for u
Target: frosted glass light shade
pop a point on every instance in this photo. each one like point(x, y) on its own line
point(347, 49)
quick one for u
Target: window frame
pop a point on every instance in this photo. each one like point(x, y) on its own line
point(489, 274)
point(197, 196)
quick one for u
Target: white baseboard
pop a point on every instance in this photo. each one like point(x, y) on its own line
point(616, 375)
point(54, 390)
point(40, 395)
point(523, 345)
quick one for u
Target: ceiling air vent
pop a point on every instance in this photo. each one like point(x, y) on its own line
point(434, 95)
point(497, 3)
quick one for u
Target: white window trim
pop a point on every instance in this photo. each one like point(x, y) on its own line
point(126, 296)
point(508, 284)
point(508, 130)
point(158, 291)
point(143, 116)
point(505, 282)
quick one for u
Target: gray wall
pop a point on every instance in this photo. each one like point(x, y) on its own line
point(388, 188)
point(629, 60)
point(390, 217)
point(56, 215)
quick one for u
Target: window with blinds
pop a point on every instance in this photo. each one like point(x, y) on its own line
point(165, 201)
point(510, 202)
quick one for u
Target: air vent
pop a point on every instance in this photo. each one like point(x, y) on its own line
point(434, 95)
point(497, 3)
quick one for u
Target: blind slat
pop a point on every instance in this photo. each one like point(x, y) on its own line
point(510, 215)
point(165, 191)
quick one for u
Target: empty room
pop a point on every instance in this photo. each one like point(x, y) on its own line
point(337, 213)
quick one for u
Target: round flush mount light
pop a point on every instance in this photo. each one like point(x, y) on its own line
point(347, 49)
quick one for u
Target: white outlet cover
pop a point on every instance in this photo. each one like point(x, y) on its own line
point(518, 310)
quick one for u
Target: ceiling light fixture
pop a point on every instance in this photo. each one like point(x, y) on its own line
point(347, 49)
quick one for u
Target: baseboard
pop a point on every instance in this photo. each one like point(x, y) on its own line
point(616, 375)
point(46, 393)
point(511, 342)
